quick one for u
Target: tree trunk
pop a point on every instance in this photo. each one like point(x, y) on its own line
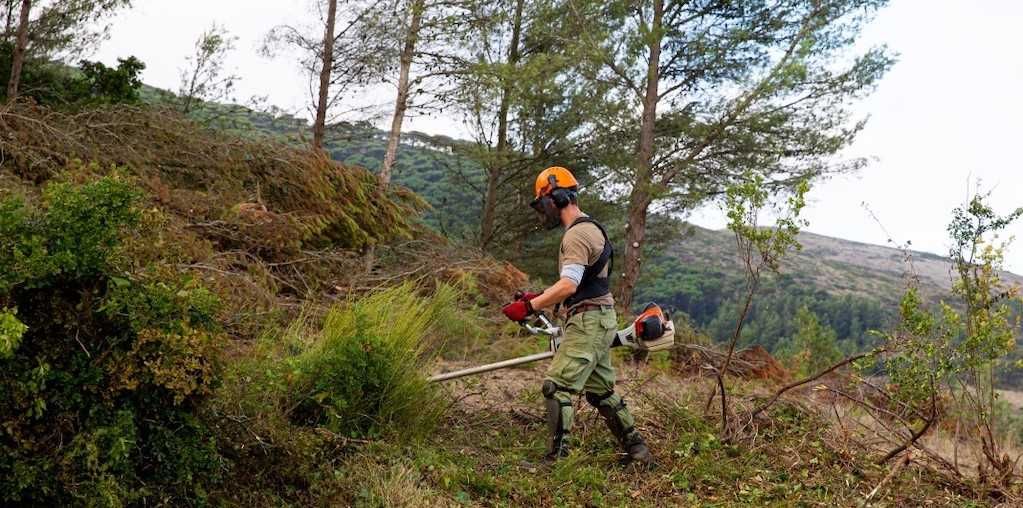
point(401, 103)
point(186, 106)
point(18, 56)
point(641, 196)
point(9, 19)
point(320, 125)
point(495, 173)
point(489, 209)
point(639, 202)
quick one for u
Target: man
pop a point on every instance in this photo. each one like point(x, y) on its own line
point(583, 361)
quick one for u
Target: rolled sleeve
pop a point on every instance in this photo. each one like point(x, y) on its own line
point(573, 272)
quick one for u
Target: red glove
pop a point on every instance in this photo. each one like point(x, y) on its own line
point(518, 310)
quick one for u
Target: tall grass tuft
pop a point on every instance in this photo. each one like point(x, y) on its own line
point(364, 373)
point(288, 408)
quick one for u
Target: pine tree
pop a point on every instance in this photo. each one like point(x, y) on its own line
point(51, 30)
point(340, 55)
point(710, 90)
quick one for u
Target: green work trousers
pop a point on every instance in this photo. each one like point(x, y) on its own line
point(583, 364)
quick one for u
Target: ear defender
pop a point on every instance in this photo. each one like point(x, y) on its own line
point(562, 197)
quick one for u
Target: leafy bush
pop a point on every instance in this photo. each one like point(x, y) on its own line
point(11, 332)
point(93, 83)
point(98, 84)
point(101, 370)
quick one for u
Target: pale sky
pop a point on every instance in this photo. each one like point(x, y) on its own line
point(948, 114)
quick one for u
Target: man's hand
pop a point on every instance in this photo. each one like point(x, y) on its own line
point(518, 310)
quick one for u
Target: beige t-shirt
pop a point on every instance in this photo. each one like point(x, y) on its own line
point(582, 245)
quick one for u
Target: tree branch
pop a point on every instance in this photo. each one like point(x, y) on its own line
point(811, 379)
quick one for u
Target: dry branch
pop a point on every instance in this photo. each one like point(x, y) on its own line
point(888, 477)
point(801, 382)
point(917, 434)
point(695, 358)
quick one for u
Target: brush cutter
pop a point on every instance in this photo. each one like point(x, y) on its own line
point(650, 331)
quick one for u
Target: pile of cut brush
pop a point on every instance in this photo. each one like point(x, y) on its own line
point(269, 226)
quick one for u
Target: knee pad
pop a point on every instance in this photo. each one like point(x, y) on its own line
point(548, 389)
point(595, 400)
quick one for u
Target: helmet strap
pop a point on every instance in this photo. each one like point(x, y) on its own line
point(553, 182)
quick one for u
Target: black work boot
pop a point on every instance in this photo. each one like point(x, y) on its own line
point(557, 445)
point(636, 452)
point(632, 442)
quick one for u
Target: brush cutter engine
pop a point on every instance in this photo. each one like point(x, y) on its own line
point(651, 331)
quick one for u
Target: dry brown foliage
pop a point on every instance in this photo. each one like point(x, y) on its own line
point(270, 227)
point(251, 193)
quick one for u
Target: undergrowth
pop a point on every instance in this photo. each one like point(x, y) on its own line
point(101, 369)
point(491, 457)
point(293, 409)
point(119, 387)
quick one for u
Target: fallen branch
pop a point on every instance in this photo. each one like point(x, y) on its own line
point(888, 477)
point(812, 378)
point(918, 434)
point(724, 402)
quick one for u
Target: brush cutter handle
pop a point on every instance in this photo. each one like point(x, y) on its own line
point(542, 325)
point(546, 326)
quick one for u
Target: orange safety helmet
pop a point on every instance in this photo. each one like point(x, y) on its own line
point(555, 188)
point(562, 179)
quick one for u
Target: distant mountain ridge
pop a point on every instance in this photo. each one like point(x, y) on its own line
point(835, 265)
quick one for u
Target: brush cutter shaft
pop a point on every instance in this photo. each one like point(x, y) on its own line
point(492, 366)
point(625, 337)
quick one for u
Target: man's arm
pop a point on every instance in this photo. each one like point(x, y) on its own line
point(555, 294)
point(576, 253)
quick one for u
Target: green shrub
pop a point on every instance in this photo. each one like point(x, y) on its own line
point(101, 371)
point(287, 410)
point(98, 84)
point(55, 84)
point(365, 371)
point(11, 332)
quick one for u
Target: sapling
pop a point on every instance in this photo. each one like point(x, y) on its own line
point(759, 249)
point(986, 323)
point(956, 348)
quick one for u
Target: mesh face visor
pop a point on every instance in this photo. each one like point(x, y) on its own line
point(549, 212)
point(537, 205)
